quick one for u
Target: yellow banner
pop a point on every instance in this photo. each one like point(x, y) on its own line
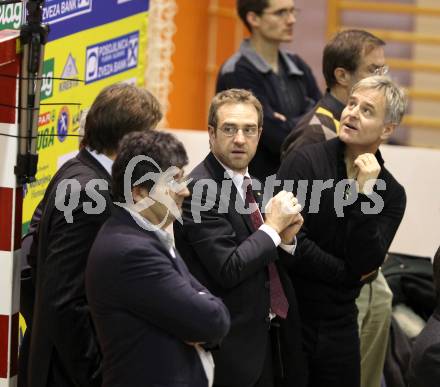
point(91, 59)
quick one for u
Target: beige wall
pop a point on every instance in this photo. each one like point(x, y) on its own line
point(426, 80)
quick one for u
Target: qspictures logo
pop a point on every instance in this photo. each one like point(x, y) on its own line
point(11, 16)
point(208, 194)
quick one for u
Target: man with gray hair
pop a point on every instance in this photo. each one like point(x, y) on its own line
point(350, 56)
point(352, 209)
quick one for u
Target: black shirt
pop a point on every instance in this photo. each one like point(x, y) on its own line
point(336, 246)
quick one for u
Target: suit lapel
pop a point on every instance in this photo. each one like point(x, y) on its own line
point(218, 173)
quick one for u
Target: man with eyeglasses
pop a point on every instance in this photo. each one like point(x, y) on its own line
point(282, 82)
point(349, 57)
point(239, 255)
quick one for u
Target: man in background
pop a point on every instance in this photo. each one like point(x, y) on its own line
point(64, 350)
point(282, 82)
point(349, 57)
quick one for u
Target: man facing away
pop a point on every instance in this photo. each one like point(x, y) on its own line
point(352, 211)
point(349, 57)
point(282, 82)
point(64, 349)
point(151, 314)
point(238, 255)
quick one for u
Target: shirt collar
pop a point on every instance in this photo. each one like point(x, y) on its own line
point(165, 237)
point(102, 159)
point(261, 65)
point(236, 177)
point(331, 103)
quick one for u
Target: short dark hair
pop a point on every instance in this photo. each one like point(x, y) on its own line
point(245, 6)
point(233, 96)
point(346, 50)
point(436, 269)
point(162, 147)
point(117, 110)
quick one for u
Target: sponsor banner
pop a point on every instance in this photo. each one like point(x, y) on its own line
point(111, 57)
point(11, 16)
point(47, 81)
point(69, 16)
point(118, 44)
point(55, 11)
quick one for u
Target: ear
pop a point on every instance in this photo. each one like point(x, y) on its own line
point(211, 134)
point(342, 76)
point(387, 131)
point(260, 130)
point(253, 19)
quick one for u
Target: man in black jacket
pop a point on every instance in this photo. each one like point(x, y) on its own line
point(282, 82)
point(64, 349)
point(353, 207)
point(239, 256)
point(349, 57)
point(151, 315)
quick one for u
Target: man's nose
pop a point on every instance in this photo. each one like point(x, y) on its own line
point(291, 18)
point(239, 137)
point(354, 111)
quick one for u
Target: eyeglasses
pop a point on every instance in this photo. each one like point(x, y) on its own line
point(284, 13)
point(382, 70)
point(231, 131)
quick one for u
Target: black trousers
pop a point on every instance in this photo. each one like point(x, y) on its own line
point(332, 351)
point(266, 378)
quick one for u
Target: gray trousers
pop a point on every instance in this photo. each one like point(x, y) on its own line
point(374, 304)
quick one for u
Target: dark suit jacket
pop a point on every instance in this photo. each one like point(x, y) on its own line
point(64, 349)
point(424, 370)
point(227, 256)
point(146, 305)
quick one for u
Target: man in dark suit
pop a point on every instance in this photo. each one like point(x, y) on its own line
point(64, 349)
point(236, 254)
point(424, 370)
point(151, 314)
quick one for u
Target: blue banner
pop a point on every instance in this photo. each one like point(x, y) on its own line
point(66, 17)
point(111, 57)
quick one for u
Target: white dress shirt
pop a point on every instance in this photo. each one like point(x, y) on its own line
point(237, 179)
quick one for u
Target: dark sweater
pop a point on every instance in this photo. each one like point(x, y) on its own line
point(292, 92)
point(335, 251)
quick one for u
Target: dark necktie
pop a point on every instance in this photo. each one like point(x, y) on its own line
point(278, 300)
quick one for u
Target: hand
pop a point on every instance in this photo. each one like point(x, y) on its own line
point(288, 234)
point(281, 211)
point(280, 116)
point(369, 170)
